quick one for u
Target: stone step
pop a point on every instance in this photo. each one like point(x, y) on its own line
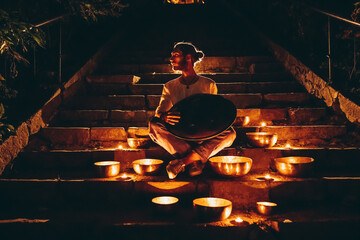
point(323, 222)
point(337, 161)
point(153, 89)
point(281, 116)
point(86, 135)
point(265, 67)
point(220, 77)
point(143, 102)
point(207, 65)
point(243, 192)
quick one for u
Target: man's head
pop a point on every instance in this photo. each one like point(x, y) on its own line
point(185, 54)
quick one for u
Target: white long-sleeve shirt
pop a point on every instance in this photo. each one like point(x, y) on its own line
point(175, 91)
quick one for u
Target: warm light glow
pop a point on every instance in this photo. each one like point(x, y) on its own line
point(106, 163)
point(239, 220)
point(288, 145)
point(165, 200)
point(246, 120)
point(168, 185)
point(267, 176)
point(124, 175)
point(263, 124)
point(120, 147)
point(212, 202)
point(269, 204)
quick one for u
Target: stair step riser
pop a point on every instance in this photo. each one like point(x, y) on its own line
point(101, 117)
point(327, 161)
point(243, 194)
point(154, 89)
point(83, 136)
point(220, 78)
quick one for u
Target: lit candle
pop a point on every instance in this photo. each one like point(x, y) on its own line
point(263, 124)
point(120, 147)
point(124, 175)
point(239, 220)
point(267, 176)
point(288, 145)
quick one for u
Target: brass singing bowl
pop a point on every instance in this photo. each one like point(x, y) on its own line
point(138, 132)
point(231, 166)
point(266, 208)
point(108, 168)
point(262, 139)
point(165, 204)
point(212, 209)
point(294, 166)
point(138, 142)
point(147, 166)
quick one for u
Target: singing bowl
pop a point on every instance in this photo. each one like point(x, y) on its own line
point(212, 209)
point(262, 139)
point(138, 132)
point(231, 166)
point(294, 166)
point(147, 166)
point(243, 121)
point(108, 168)
point(165, 204)
point(266, 208)
point(138, 142)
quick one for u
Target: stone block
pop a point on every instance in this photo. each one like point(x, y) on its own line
point(265, 67)
point(231, 88)
point(129, 116)
point(244, 100)
point(67, 135)
point(286, 97)
point(306, 115)
point(35, 122)
point(242, 194)
point(108, 134)
point(305, 132)
point(113, 79)
point(146, 89)
point(84, 115)
point(271, 77)
point(153, 101)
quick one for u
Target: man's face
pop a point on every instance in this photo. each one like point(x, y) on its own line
point(177, 60)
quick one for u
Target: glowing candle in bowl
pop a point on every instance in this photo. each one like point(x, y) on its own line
point(108, 168)
point(147, 166)
point(212, 209)
point(266, 208)
point(165, 204)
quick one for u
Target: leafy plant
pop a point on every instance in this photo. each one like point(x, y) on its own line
point(5, 129)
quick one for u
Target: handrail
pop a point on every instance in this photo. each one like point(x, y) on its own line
point(50, 21)
point(334, 16)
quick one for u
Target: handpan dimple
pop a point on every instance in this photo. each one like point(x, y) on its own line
point(203, 116)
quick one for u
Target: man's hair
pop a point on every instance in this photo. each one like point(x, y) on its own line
point(189, 48)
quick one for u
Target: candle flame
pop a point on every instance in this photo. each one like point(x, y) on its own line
point(263, 124)
point(120, 147)
point(124, 175)
point(288, 145)
point(267, 176)
point(239, 220)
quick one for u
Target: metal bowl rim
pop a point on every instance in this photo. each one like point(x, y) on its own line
point(111, 163)
point(270, 204)
point(140, 161)
point(228, 203)
point(282, 160)
point(242, 160)
point(168, 204)
point(260, 134)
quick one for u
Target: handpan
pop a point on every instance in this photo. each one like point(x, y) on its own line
point(202, 116)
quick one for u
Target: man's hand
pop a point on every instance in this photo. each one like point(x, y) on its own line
point(171, 117)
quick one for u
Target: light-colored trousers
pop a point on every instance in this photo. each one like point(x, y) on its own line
point(180, 148)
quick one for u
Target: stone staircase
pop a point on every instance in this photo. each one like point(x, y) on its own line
point(52, 188)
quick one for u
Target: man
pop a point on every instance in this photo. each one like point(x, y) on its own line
point(183, 58)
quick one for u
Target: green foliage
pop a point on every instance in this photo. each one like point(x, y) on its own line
point(90, 10)
point(16, 37)
point(5, 129)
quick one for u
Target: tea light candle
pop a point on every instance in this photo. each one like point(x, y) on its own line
point(263, 124)
point(239, 220)
point(288, 145)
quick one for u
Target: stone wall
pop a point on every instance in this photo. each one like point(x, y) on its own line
point(315, 84)
point(10, 148)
